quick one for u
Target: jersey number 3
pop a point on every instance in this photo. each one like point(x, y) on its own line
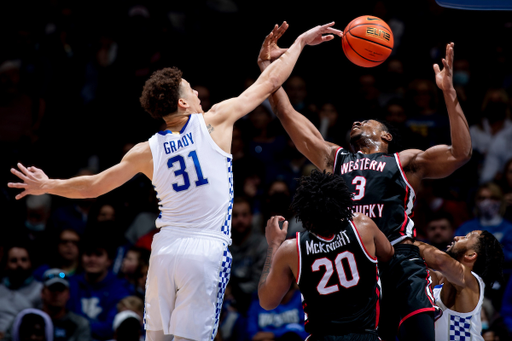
point(360, 182)
point(322, 287)
point(182, 171)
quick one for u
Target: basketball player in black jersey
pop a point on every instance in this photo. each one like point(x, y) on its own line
point(384, 186)
point(334, 262)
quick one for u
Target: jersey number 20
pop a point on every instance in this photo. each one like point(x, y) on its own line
point(182, 171)
point(322, 287)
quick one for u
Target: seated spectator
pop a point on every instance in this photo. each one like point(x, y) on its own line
point(32, 325)
point(127, 326)
point(18, 289)
point(440, 231)
point(286, 322)
point(249, 250)
point(489, 208)
point(96, 292)
point(134, 259)
point(67, 255)
point(67, 326)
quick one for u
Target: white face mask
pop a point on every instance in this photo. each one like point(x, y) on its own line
point(489, 208)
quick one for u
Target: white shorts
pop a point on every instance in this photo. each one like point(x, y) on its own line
point(185, 286)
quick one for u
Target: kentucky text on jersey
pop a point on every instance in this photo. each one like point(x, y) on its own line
point(172, 146)
point(362, 164)
point(341, 240)
point(370, 210)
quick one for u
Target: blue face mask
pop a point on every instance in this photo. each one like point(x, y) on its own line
point(34, 227)
point(485, 325)
point(460, 78)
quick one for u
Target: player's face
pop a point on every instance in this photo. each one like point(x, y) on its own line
point(367, 129)
point(461, 245)
point(191, 96)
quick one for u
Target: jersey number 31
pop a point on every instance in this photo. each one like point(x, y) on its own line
point(182, 171)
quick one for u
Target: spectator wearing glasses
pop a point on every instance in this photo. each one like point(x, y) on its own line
point(18, 289)
point(67, 326)
point(66, 257)
point(96, 292)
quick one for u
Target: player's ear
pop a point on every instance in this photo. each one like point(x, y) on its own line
point(471, 256)
point(386, 136)
point(182, 103)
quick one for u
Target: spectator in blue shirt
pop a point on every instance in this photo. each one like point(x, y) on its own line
point(286, 322)
point(96, 292)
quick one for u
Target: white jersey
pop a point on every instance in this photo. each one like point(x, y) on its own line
point(459, 326)
point(193, 179)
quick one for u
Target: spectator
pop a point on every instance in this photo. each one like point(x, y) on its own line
point(249, 249)
point(132, 303)
point(18, 289)
point(440, 231)
point(133, 261)
point(506, 186)
point(127, 326)
point(286, 322)
point(96, 293)
point(67, 326)
point(489, 209)
point(67, 255)
point(32, 325)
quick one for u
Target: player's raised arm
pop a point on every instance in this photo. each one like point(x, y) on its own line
point(306, 137)
point(455, 272)
point(227, 112)
point(442, 160)
point(276, 277)
point(36, 182)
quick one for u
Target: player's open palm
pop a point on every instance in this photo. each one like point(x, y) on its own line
point(274, 234)
point(444, 77)
point(316, 35)
point(33, 179)
point(270, 50)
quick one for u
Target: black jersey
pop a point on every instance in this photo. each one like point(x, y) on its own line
point(381, 191)
point(338, 280)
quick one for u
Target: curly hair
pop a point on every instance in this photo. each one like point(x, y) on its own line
point(161, 92)
point(489, 263)
point(322, 202)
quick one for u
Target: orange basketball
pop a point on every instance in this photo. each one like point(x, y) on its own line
point(367, 41)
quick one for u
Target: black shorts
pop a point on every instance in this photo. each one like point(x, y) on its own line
point(406, 289)
point(347, 337)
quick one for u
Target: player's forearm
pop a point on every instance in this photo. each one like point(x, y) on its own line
point(461, 148)
point(75, 188)
point(440, 261)
point(264, 288)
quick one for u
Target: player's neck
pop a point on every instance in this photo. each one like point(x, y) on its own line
point(368, 146)
point(176, 121)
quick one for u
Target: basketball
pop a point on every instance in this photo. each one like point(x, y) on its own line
point(367, 41)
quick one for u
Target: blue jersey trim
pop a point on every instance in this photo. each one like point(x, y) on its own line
point(167, 131)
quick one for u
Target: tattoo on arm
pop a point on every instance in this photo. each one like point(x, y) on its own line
point(210, 128)
point(266, 267)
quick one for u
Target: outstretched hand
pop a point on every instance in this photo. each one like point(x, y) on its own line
point(269, 49)
point(444, 77)
point(316, 36)
point(273, 233)
point(33, 179)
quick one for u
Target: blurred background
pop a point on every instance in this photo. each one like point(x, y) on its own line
point(71, 74)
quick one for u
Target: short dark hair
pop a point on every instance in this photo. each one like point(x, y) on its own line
point(161, 92)
point(322, 201)
point(489, 262)
point(395, 145)
point(440, 215)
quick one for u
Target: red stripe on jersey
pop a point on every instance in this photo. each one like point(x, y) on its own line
point(406, 180)
point(377, 306)
point(361, 241)
point(335, 158)
point(422, 310)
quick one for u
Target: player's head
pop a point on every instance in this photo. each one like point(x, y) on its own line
point(322, 202)
point(166, 91)
point(375, 131)
point(482, 251)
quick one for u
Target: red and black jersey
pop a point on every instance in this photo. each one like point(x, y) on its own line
point(381, 191)
point(339, 282)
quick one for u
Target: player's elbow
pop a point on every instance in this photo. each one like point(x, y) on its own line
point(273, 83)
point(267, 302)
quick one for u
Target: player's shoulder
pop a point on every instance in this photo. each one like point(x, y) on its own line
point(361, 221)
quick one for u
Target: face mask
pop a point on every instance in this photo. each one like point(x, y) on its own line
point(34, 227)
point(460, 78)
point(485, 325)
point(489, 209)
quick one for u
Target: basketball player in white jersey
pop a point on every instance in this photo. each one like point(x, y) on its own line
point(189, 164)
point(462, 272)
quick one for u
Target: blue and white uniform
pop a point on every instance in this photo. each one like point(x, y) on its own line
point(459, 326)
point(190, 261)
